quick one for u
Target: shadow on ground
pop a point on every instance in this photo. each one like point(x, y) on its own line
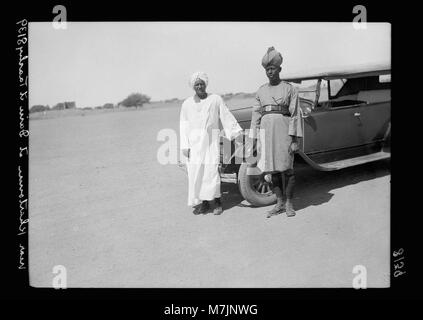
point(313, 187)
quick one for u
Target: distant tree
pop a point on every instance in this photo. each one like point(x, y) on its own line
point(59, 106)
point(135, 100)
point(108, 106)
point(171, 100)
point(70, 105)
point(38, 108)
point(87, 108)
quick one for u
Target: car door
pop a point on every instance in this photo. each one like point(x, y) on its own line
point(329, 129)
point(355, 116)
point(375, 115)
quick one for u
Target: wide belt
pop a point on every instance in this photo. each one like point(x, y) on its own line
point(270, 108)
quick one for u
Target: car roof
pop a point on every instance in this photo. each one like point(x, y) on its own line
point(341, 72)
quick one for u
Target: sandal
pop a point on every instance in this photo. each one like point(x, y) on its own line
point(278, 209)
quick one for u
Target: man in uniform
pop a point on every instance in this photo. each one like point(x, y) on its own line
point(278, 118)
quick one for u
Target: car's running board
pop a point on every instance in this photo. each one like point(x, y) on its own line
point(340, 164)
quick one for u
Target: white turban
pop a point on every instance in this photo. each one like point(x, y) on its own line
point(198, 75)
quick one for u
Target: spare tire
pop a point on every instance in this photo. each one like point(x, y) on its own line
point(254, 188)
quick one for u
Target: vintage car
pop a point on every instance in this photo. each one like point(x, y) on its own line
point(346, 118)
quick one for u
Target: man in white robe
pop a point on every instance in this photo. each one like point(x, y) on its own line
point(200, 142)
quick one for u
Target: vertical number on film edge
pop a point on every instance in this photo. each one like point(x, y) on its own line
point(22, 99)
point(398, 262)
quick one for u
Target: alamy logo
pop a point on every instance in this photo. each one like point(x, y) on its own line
point(59, 21)
point(60, 280)
point(360, 280)
point(360, 20)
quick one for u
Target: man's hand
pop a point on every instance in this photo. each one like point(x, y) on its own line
point(186, 152)
point(293, 146)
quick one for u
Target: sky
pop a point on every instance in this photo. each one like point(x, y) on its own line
point(93, 63)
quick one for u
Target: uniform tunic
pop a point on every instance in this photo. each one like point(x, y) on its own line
point(274, 140)
point(200, 132)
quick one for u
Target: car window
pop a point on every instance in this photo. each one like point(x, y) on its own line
point(324, 91)
point(307, 90)
point(385, 78)
point(355, 85)
point(336, 85)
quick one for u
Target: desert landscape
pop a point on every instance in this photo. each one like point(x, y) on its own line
point(102, 206)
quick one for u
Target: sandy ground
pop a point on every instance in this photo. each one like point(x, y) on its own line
point(101, 205)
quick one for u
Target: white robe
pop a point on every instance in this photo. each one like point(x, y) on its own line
point(199, 132)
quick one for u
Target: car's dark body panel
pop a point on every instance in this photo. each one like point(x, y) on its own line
point(341, 128)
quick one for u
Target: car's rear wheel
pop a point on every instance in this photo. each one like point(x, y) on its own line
point(254, 188)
